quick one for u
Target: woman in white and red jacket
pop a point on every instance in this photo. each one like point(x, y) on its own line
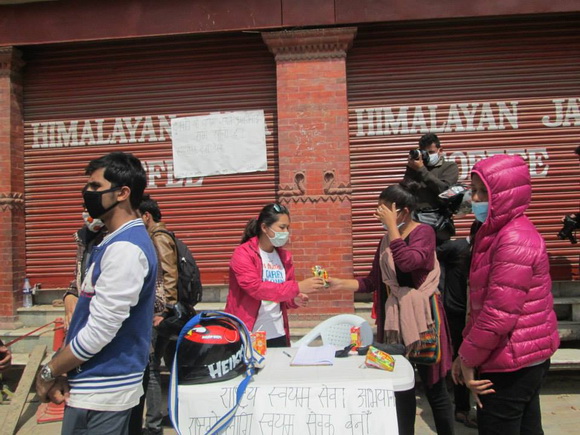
point(262, 281)
point(511, 331)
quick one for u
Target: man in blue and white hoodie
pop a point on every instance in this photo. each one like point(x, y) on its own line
point(100, 371)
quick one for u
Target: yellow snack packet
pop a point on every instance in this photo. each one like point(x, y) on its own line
point(319, 271)
point(379, 359)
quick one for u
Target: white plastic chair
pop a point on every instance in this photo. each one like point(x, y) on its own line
point(336, 331)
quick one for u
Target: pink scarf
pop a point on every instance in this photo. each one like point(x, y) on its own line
point(407, 310)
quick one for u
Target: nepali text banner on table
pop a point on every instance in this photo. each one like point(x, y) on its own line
point(328, 409)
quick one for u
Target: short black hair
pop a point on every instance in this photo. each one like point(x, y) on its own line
point(122, 169)
point(577, 150)
point(149, 205)
point(427, 139)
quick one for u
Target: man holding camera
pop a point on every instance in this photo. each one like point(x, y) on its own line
point(428, 167)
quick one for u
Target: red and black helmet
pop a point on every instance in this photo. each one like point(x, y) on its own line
point(210, 351)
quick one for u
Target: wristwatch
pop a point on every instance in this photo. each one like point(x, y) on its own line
point(46, 374)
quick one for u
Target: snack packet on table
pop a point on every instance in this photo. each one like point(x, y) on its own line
point(379, 359)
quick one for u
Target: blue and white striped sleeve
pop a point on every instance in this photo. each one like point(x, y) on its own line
point(124, 267)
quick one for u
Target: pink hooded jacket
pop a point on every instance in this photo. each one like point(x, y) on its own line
point(248, 290)
point(512, 323)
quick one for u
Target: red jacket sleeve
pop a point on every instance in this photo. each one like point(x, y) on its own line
point(246, 265)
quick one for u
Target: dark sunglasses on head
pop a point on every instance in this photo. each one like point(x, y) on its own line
point(279, 208)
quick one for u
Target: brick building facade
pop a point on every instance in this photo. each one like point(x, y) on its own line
point(322, 71)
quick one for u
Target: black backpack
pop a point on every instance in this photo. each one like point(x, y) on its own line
point(189, 288)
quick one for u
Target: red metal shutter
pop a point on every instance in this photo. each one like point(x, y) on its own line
point(483, 86)
point(127, 91)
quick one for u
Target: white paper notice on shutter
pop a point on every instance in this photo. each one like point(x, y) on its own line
point(218, 144)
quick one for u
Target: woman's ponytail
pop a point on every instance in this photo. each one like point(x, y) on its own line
point(251, 230)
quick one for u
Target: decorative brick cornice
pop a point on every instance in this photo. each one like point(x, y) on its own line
point(294, 45)
point(315, 199)
point(11, 200)
point(297, 189)
point(329, 189)
point(10, 61)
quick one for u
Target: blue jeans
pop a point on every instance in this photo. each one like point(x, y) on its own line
point(77, 421)
point(514, 409)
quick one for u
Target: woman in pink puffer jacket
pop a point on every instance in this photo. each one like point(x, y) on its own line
point(512, 330)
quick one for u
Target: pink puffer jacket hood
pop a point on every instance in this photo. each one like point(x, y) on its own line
point(512, 323)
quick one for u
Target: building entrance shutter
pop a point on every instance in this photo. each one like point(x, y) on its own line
point(484, 87)
point(84, 100)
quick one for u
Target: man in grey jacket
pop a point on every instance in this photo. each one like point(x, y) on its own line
point(434, 176)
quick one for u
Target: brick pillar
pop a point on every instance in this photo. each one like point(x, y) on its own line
point(313, 149)
point(12, 240)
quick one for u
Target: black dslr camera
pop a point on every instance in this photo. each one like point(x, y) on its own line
point(455, 200)
point(571, 224)
point(419, 154)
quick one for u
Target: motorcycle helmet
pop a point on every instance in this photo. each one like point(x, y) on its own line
point(210, 351)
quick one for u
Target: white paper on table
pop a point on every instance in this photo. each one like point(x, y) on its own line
point(314, 356)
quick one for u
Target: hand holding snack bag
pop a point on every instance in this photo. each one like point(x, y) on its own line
point(320, 272)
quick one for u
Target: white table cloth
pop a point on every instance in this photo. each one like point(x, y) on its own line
point(345, 398)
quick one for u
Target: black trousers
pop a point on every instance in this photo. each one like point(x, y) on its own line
point(277, 342)
point(454, 257)
point(136, 416)
point(514, 409)
point(461, 393)
point(438, 399)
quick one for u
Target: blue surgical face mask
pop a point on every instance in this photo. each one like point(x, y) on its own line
point(480, 210)
point(433, 159)
point(280, 238)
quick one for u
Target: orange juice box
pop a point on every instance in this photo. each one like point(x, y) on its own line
point(259, 342)
point(355, 337)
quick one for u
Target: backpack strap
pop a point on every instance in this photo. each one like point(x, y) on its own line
point(170, 233)
point(251, 358)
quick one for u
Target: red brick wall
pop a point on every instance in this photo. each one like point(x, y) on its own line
point(12, 237)
point(314, 156)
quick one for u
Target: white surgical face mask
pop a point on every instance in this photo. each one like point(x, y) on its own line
point(280, 238)
point(433, 159)
point(398, 225)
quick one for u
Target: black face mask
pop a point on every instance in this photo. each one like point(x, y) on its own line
point(94, 202)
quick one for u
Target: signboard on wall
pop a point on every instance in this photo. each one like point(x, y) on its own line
point(218, 144)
